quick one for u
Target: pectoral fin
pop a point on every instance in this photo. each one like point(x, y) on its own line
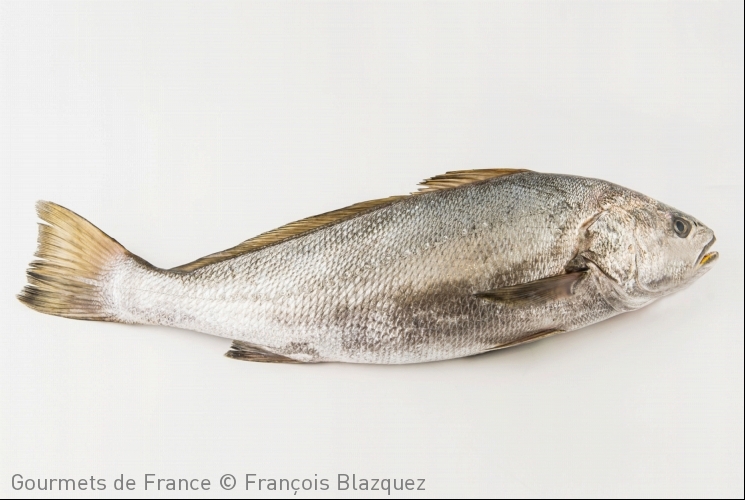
point(536, 292)
point(249, 352)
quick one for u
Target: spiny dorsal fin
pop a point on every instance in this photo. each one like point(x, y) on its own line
point(305, 226)
point(460, 177)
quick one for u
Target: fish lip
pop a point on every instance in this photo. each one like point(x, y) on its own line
point(704, 257)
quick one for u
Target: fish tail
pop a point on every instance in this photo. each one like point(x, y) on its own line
point(75, 261)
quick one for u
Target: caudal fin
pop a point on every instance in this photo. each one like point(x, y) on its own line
point(74, 259)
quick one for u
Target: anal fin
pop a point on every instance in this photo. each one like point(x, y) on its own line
point(249, 352)
point(530, 338)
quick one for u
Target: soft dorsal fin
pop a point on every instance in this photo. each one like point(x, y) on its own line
point(305, 226)
point(291, 230)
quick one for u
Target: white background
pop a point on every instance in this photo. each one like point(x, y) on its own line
point(184, 128)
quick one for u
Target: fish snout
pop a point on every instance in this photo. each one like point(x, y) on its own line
point(705, 257)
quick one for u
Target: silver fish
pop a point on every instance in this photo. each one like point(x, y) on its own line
point(475, 261)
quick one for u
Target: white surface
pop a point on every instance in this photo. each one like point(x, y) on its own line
point(183, 128)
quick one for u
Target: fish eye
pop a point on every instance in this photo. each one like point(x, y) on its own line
point(681, 226)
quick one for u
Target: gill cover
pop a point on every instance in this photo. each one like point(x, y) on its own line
point(609, 243)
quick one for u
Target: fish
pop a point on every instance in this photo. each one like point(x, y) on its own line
point(474, 261)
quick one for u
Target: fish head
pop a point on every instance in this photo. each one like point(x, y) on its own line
point(672, 248)
point(647, 249)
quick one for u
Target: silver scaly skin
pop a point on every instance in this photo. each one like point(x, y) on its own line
point(443, 274)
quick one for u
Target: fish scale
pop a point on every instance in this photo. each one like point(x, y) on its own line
point(479, 260)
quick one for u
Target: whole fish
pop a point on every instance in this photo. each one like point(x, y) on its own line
point(477, 260)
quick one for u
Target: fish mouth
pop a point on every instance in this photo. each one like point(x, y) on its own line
point(706, 258)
